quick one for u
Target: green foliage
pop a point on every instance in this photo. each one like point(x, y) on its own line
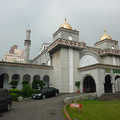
point(25, 82)
point(27, 90)
point(38, 84)
point(77, 84)
point(14, 83)
point(15, 93)
point(14, 90)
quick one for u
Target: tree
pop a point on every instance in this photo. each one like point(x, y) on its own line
point(38, 84)
point(27, 90)
point(77, 84)
point(14, 83)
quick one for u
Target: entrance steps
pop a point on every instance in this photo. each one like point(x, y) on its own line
point(110, 96)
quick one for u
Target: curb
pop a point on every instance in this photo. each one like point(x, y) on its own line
point(66, 113)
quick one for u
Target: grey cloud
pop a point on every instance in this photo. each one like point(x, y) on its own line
point(45, 16)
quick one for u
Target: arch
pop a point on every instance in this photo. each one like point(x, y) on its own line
point(108, 84)
point(36, 77)
point(88, 60)
point(36, 82)
point(4, 78)
point(46, 80)
point(117, 83)
point(26, 79)
point(89, 84)
point(90, 52)
point(15, 80)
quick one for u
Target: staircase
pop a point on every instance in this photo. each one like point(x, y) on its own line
point(110, 96)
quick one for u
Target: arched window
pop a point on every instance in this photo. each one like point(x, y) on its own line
point(36, 77)
point(37, 83)
point(46, 80)
point(15, 80)
point(89, 84)
point(26, 79)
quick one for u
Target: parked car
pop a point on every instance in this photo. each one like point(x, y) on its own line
point(45, 93)
point(5, 100)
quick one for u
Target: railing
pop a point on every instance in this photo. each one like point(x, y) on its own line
point(67, 43)
point(109, 51)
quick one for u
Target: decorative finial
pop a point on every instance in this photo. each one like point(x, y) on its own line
point(66, 25)
point(65, 20)
point(106, 36)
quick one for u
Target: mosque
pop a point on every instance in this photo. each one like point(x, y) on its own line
point(67, 60)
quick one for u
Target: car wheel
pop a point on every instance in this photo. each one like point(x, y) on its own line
point(9, 107)
point(44, 96)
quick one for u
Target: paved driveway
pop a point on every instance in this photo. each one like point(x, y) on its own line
point(48, 109)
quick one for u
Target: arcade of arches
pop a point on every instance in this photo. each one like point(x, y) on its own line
point(5, 79)
point(89, 84)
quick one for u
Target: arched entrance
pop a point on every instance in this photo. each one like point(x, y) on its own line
point(108, 84)
point(4, 78)
point(117, 83)
point(89, 85)
point(46, 80)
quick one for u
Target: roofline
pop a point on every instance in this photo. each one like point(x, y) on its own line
point(26, 65)
point(98, 65)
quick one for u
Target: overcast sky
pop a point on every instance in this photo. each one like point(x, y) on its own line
point(45, 16)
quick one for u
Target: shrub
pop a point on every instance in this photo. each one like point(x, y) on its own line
point(38, 84)
point(15, 93)
point(77, 84)
point(27, 90)
point(25, 82)
point(14, 83)
point(14, 96)
point(14, 90)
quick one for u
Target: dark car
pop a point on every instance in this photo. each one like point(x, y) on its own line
point(45, 93)
point(5, 100)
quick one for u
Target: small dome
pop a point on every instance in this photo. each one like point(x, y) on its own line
point(106, 36)
point(66, 25)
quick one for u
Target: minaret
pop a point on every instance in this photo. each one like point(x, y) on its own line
point(27, 44)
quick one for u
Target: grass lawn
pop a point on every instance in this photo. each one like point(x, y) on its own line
point(96, 110)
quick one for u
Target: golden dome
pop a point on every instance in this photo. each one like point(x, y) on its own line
point(106, 36)
point(66, 25)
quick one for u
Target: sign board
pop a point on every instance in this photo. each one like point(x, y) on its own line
point(74, 105)
point(107, 70)
point(116, 71)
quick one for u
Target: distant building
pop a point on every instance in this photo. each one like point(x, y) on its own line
point(15, 55)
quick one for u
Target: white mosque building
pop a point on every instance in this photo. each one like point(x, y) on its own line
point(67, 60)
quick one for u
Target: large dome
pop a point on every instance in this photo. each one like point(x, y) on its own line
point(106, 36)
point(66, 25)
